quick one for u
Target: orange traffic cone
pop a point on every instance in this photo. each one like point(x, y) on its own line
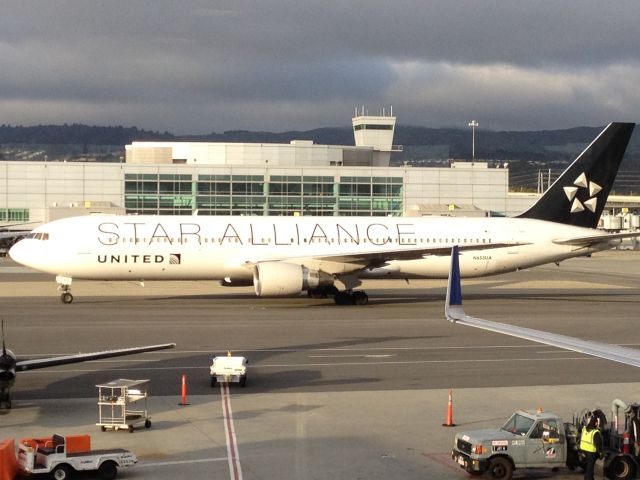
point(184, 390)
point(449, 422)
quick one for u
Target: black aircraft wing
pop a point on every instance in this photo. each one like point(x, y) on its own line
point(84, 357)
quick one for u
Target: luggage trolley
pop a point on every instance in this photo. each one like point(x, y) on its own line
point(115, 402)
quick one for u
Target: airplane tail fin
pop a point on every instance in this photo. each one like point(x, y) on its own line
point(579, 195)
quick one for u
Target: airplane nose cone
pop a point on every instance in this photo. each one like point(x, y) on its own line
point(16, 252)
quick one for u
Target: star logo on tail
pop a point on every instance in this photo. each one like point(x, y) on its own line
point(586, 189)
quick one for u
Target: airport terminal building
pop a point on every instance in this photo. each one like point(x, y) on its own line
point(299, 178)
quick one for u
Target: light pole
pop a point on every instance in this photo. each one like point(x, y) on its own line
point(473, 124)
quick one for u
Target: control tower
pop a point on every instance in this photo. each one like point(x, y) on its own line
point(376, 132)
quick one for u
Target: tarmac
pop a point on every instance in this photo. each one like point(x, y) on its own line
point(332, 392)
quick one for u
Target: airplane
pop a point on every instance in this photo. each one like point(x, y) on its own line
point(9, 235)
point(283, 256)
point(454, 312)
point(10, 365)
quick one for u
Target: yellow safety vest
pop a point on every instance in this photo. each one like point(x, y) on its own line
point(586, 440)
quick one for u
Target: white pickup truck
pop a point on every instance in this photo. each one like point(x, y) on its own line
point(59, 456)
point(228, 369)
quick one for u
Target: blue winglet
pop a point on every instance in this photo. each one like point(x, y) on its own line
point(454, 292)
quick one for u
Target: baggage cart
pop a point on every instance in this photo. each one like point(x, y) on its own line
point(122, 404)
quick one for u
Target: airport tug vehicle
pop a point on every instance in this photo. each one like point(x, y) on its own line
point(228, 369)
point(538, 439)
point(60, 456)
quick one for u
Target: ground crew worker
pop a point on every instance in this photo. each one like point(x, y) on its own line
point(591, 446)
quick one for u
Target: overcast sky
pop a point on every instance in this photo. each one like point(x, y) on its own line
point(193, 66)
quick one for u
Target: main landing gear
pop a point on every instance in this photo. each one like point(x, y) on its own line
point(5, 399)
point(350, 297)
point(340, 297)
point(64, 284)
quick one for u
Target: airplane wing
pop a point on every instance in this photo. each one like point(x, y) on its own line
point(84, 357)
point(454, 313)
point(589, 240)
point(347, 263)
point(7, 233)
point(377, 258)
point(14, 233)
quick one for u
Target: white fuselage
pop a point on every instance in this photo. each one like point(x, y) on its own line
point(201, 247)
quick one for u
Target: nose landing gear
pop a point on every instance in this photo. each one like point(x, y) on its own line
point(66, 297)
point(64, 284)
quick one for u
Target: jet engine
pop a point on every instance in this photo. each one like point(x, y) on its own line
point(278, 279)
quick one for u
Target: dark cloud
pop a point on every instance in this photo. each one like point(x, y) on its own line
point(199, 66)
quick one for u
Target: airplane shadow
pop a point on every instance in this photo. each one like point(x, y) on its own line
point(165, 374)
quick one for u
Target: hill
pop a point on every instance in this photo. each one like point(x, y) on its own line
point(421, 144)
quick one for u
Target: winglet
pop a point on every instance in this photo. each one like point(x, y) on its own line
point(453, 306)
point(455, 314)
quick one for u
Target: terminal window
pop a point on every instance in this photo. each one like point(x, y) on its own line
point(14, 214)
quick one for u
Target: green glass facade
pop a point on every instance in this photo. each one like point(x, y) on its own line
point(14, 214)
point(153, 194)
